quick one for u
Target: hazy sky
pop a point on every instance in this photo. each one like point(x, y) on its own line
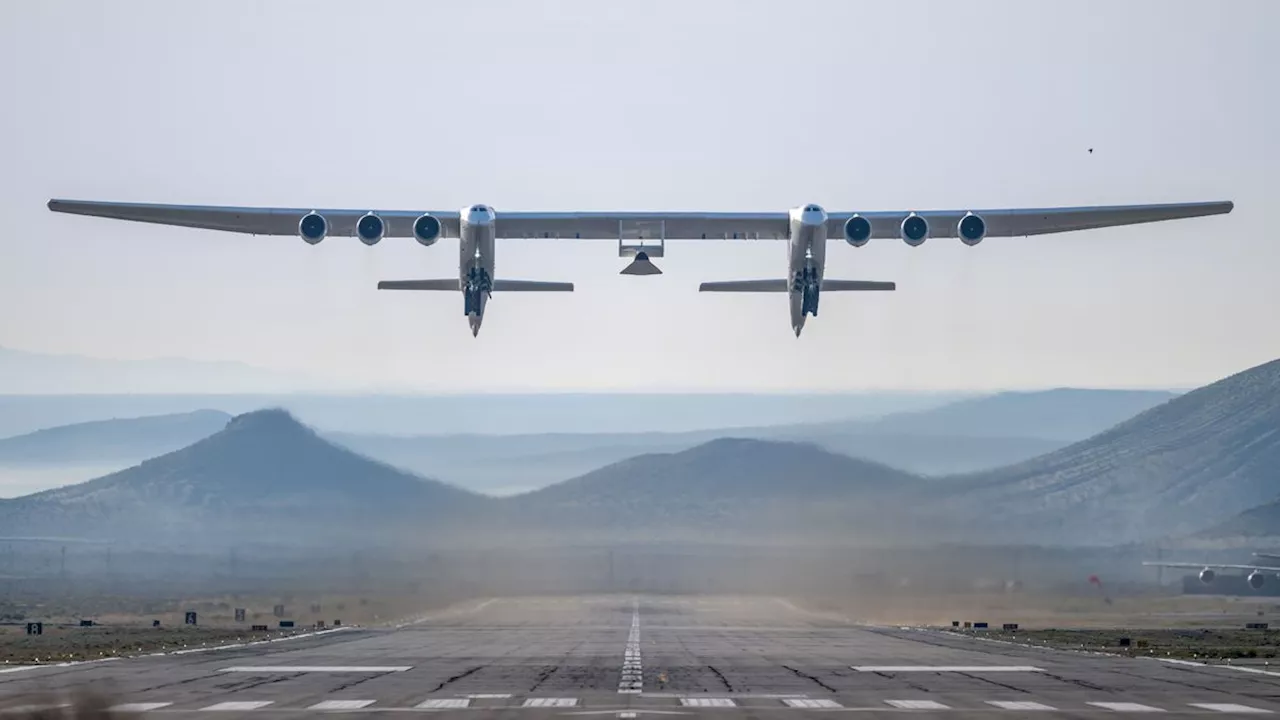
point(653, 105)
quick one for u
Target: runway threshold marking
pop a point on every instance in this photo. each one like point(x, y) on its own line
point(1230, 708)
point(317, 668)
point(946, 668)
point(1125, 707)
point(342, 704)
point(917, 704)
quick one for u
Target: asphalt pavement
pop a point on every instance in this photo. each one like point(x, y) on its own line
point(625, 656)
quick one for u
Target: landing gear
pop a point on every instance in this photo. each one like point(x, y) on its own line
point(806, 282)
point(478, 285)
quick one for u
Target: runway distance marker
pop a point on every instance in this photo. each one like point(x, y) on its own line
point(945, 668)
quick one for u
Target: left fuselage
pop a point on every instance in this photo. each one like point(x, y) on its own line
point(806, 261)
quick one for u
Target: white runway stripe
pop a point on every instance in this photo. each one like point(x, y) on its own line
point(442, 703)
point(550, 702)
point(945, 668)
point(138, 707)
point(1020, 705)
point(631, 680)
point(1125, 707)
point(917, 704)
point(707, 702)
point(342, 704)
point(1230, 708)
point(317, 668)
point(237, 706)
point(808, 703)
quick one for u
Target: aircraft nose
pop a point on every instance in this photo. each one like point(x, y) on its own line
point(813, 215)
point(479, 215)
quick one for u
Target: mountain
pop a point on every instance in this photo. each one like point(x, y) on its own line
point(963, 436)
point(1062, 414)
point(723, 490)
point(129, 439)
point(264, 477)
point(25, 373)
point(1188, 464)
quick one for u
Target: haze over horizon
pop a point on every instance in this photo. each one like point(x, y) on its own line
point(648, 106)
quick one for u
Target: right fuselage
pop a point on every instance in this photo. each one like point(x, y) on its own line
point(806, 261)
point(475, 261)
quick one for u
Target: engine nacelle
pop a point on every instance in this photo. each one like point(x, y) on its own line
point(857, 230)
point(971, 229)
point(370, 228)
point(1256, 579)
point(914, 230)
point(426, 229)
point(313, 227)
point(1207, 575)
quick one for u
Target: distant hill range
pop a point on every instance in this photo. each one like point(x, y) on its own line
point(964, 436)
point(26, 373)
point(1186, 465)
point(128, 439)
point(263, 478)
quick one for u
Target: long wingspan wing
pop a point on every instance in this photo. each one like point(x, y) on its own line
point(672, 226)
point(1196, 566)
point(1032, 221)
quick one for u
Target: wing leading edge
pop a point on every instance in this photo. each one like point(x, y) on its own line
point(612, 225)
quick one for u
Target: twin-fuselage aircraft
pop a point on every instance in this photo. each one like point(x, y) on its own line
point(642, 236)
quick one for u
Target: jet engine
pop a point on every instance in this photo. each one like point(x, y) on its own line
point(1207, 575)
point(857, 230)
point(914, 230)
point(313, 227)
point(1256, 579)
point(426, 229)
point(370, 228)
point(971, 229)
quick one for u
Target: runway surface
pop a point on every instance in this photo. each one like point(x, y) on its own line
point(623, 656)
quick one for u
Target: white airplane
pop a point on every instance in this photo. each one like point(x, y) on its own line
point(806, 228)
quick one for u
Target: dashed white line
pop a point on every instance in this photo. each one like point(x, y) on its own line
point(807, 703)
point(1020, 705)
point(237, 706)
point(550, 702)
point(917, 704)
point(1125, 707)
point(707, 702)
point(317, 668)
point(342, 704)
point(631, 680)
point(946, 668)
point(1230, 708)
point(138, 707)
point(442, 703)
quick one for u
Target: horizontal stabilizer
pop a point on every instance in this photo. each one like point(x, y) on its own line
point(780, 286)
point(531, 286)
point(856, 285)
point(441, 284)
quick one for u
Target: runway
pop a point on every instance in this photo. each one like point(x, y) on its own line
point(625, 657)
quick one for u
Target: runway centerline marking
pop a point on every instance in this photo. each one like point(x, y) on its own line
point(631, 679)
point(1230, 708)
point(1020, 705)
point(317, 668)
point(237, 706)
point(945, 668)
point(808, 703)
point(550, 702)
point(442, 703)
point(707, 702)
point(138, 707)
